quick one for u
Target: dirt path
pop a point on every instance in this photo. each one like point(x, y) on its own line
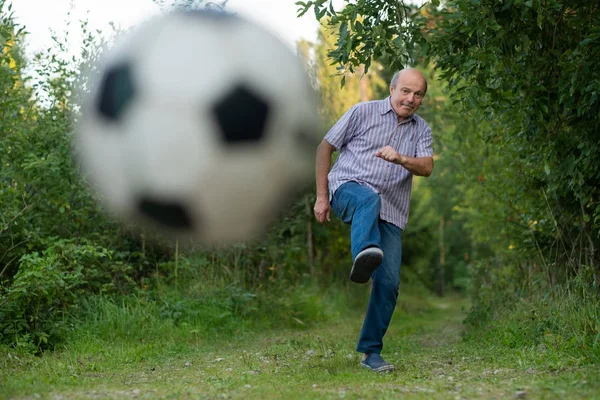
point(425, 344)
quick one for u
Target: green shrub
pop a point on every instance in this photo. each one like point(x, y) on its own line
point(44, 290)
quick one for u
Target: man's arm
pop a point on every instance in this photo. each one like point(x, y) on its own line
point(323, 164)
point(420, 166)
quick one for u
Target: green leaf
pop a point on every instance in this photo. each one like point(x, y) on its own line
point(348, 47)
point(343, 32)
point(359, 27)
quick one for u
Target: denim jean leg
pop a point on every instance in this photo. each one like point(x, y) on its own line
point(359, 206)
point(384, 291)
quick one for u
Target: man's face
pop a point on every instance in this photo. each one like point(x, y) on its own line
point(408, 94)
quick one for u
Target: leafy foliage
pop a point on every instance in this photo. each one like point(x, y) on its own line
point(58, 251)
point(523, 71)
point(513, 200)
point(367, 31)
point(518, 136)
point(54, 240)
point(45, 289)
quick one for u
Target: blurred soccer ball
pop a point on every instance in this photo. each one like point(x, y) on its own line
point(199, 125)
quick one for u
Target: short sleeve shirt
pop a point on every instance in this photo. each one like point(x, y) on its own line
point(366, 128)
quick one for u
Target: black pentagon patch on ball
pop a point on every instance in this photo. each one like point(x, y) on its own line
point(242, 115)
point(169, 214)
point(116, 92)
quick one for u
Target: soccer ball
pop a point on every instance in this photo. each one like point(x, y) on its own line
point(201, 125)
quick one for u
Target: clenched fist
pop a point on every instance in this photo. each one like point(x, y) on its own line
point(388, 153)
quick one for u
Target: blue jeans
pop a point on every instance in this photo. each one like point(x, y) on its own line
point(359, 206)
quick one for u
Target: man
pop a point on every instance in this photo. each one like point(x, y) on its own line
point(382, 144)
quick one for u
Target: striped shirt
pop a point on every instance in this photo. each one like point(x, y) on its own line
point(366, 128)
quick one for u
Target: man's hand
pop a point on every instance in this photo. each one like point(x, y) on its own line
point(419, 166)
point(388, 153)
point(322, 210)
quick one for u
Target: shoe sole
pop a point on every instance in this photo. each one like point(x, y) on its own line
point(384, 368)
point(364, 265)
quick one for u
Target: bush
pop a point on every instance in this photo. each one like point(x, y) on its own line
point(35, 307)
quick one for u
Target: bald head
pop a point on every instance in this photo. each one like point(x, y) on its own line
point(408, 72)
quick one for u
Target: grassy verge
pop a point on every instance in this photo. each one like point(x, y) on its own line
point(424, 341)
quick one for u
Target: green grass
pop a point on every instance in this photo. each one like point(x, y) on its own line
point(425, 342)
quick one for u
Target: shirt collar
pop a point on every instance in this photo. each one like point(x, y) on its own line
point(386, 107)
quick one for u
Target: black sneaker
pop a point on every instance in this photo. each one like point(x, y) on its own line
point(365, 263)
point(375, 363)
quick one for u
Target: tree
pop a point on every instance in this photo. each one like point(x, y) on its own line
point(523, 71)
point(367, 31)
